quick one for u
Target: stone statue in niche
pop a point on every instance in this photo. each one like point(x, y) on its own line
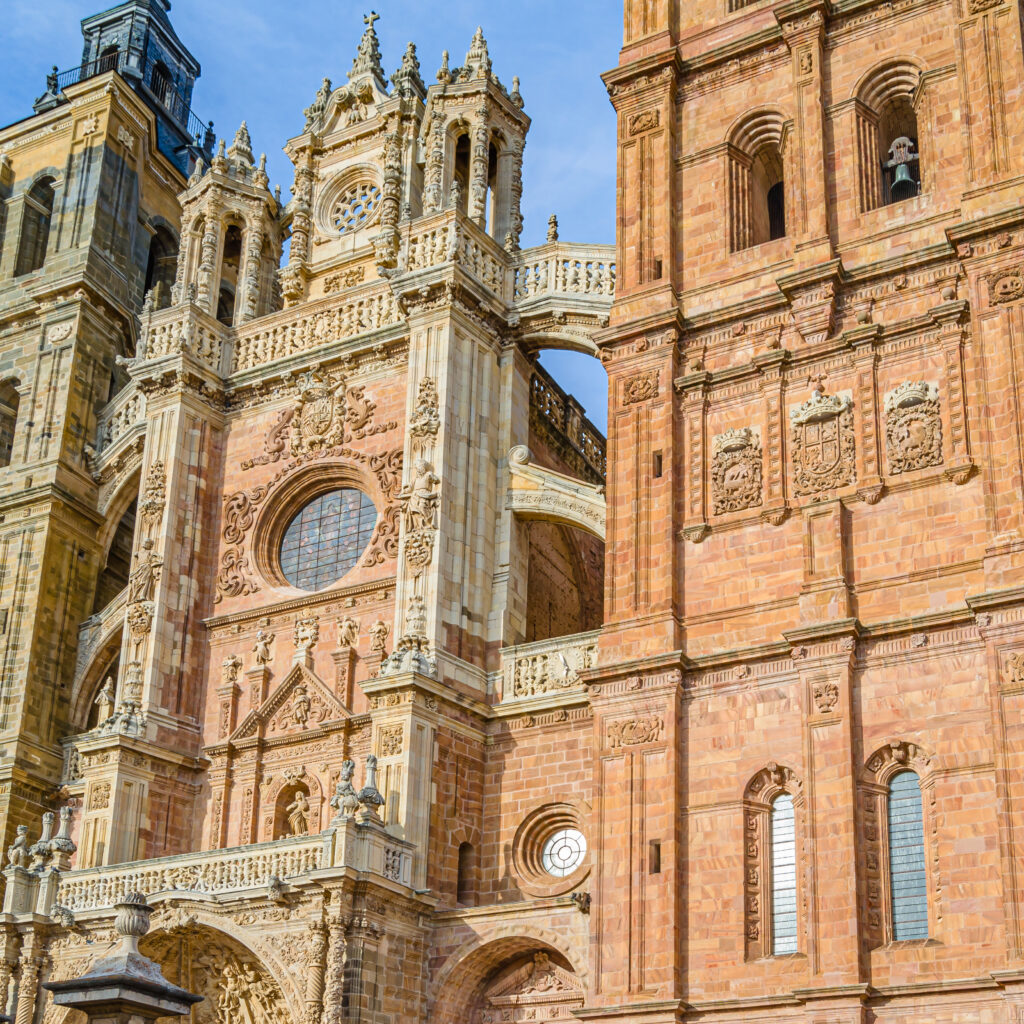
point(300, 706)
point(298, 814)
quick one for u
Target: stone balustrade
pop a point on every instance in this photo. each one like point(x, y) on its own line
point(564, 269)
point(121, 416)
point(183, 328)
point(210, 872)
point(285, 333)
point(95, 629)
point(560, 421)
point(547, 666)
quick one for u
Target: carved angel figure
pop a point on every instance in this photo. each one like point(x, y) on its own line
point(261, 649)
point(298, 814)
point(348, 632)
point(379, 637)
point(231, 666)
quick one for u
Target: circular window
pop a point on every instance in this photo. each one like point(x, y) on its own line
point(325, 539)
point(564, 852)
point(354, 207)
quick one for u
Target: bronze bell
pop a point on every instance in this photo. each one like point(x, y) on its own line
point(903, 185)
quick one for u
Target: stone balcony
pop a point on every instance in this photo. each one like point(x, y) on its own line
point(120, 427)
point(544, 673)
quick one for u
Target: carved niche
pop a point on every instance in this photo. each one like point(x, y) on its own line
point(823, 443)
point(913, 427)
point(736, 470)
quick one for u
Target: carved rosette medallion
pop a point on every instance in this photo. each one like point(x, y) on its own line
point(823, 443)
point(913, 427)
point(736, 470)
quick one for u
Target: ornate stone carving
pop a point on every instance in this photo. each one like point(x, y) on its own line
point(823, 443)
point(230, 668)
point(632, 731)
point(736, 470)
point(426, 418)
point(139, 619)
point(390, 741)
point(320, 414)
point(1006, 285)
point(145, 574)
point(826, 697)
point(379, 638)
point(306, 634)
point(1013, 667)
point(913, 427)
point(640, 387)
point(644, 121)
point(348, 632)
point(154, 498)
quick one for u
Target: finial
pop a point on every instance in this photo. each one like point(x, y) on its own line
point(369, 19)
point(367, 60)
point(443, 74)
point(132, 921)
point(552, 228)
point(241, 148)
point(407, 79)
point(478, 58)
point(515, 95)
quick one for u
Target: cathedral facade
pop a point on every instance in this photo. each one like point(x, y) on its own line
point(330, 623)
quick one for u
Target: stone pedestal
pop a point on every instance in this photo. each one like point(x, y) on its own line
point(125, 987)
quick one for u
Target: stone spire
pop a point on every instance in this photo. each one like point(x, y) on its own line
point(478, 60)
point(406, 79)
point(241, 148)
point(367, 60)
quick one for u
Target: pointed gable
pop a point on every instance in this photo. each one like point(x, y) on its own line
point(302, 701)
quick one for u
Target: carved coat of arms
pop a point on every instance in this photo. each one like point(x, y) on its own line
point(319, 420)
point(736, 470)
point(913, 427)
point(823, 446)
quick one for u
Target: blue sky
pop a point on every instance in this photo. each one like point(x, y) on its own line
point(263, 62)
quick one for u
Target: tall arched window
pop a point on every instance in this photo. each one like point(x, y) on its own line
point(35, 227)
point(9, 400)
point(907, 882)
point(161, 267)
point(888, 158)
point(461, 169)
point(783, 843)
point(771, 919)
point(231, 262)
point(757, 186)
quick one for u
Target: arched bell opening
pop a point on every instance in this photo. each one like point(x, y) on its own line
point(161, 267)
point(231, 262)
point(10, 402)
point(901, 162)
point(460, 169)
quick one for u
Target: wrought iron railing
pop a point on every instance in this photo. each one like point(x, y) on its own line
point(174, 102)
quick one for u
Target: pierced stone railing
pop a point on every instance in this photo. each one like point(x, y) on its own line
point(124, 413)
point(210, 872)
point(94, 629)
point(183, 328)
point(285, 333)
point(547, 666)
point(558, 419)
point(564, 269)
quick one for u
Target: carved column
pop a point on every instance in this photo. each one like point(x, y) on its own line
point(249, 279)
point(478, 169)
point(952, 317)
point(334, 1010)
point(315, 962)
point(694, 388)
point(771, 365)
point(29, 964)
point(207, 287)
point(865, 411)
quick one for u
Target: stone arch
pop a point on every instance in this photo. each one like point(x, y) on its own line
point(462, 978)
point(101, 661)
point(887, 80)
point(760, 182)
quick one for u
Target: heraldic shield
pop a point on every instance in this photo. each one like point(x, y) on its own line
point(823, 446)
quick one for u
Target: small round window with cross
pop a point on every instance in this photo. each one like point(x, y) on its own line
point(355, 207)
